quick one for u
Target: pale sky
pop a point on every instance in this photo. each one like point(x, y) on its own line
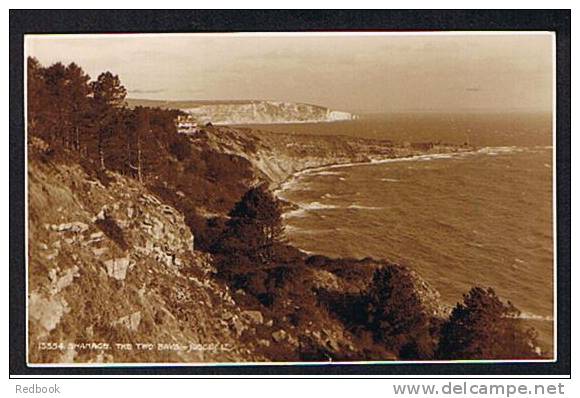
point(371, 73)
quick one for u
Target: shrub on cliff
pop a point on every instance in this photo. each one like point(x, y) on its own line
point(396, 315)
point(254, 227)
point(482, 327)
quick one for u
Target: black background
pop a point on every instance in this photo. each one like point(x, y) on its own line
point(119, 21)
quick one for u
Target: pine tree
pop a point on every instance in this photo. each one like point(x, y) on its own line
point(108, 98)
point(254, 228)
point(396, 314)
point(53, 111)
point(482, 327)
point(35, 95)
point(77, 104)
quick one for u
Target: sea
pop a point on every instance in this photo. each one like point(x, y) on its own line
point(481, 218)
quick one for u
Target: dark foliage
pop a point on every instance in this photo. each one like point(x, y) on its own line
point(396, 314)
point(113, 231)
point(386, 318)
point(180, 149)
point(482, 327)
point(190, 185)
point(254, 228)
point(207, 230)
point(71, 113)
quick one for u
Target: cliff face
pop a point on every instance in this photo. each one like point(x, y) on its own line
point(264, 112)
point(276, 157)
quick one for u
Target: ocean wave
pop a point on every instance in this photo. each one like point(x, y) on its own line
point(389, 180)
point(317, 206)
point(499, 150)
point(361, 207)
point(303, 208)
point(534, 317)
point(327, 173)
point(423, 158)
point(292, 229)
point(294, 213)
point(291, 185)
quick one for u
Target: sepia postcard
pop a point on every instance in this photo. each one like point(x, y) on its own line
point(290, 198)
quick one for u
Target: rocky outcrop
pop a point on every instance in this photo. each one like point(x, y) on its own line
point(139, 295)
point(350, 276)
point(117, 267)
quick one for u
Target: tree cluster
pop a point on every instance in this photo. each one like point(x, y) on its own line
point(483, 327)
point(480, 327)
point(91, 118)
point(396, 314)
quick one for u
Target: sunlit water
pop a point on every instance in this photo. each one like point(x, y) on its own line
point(481, 218)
